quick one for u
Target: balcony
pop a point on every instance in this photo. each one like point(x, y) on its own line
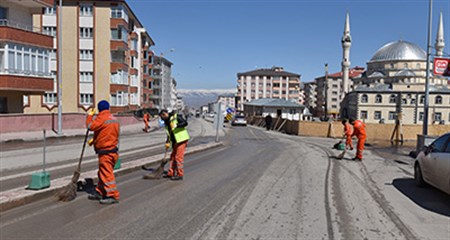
point(19, 33)
point(29, 84)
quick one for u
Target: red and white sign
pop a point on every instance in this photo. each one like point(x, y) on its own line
point(442, 66)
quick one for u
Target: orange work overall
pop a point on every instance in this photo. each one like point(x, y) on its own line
point(106, 138)
point(359, 130)
point(177, 159)
point(348, 135)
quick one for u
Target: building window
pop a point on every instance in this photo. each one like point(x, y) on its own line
point(119, 99)
point(392, 99)
point(334, 99)
point(26, 60)
point(49, 31)
point(422, 99)
point(119, 12)
point(86, 98)
point(364, 115)
point(86, 54)
point(120, 77)
point(119, 34)
point(86, 32)
point(335, 86)
point(438, 100)
point(413, 101)
point(378, 98)
point(86, 76)
point(392, 115)
point(86, 10)
point(49, 98)
point(437, 117)
point(404, 101)
point(364, 98)
point(134, 44)
point(421, 116)
point(334, 92)
point(50, 11)
point(333, 106)
point(377, 115)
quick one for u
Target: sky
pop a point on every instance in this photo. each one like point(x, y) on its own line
point(213, 40)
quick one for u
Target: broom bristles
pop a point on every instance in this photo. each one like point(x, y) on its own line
point(69, 192)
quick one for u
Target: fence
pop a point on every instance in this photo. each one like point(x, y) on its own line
point(335, 129)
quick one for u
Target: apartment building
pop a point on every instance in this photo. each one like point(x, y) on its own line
point(24, 54)
point(164, 85)
point(229, 101)
point(309, 89)
point(268, 83)
point(106, 55)
point(330, 91)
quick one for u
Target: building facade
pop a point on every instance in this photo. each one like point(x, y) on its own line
point(165, 94)
point(384, 103)
point(268, 83)
point(105, 54)
point(330, 92)
point(228, 101)
point(24, 54)
point(310, 95)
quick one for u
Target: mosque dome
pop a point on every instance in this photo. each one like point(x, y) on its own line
point(399, 50)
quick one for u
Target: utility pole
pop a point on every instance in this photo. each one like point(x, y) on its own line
point(427, 81)
point(60, 68)
point(326, 91)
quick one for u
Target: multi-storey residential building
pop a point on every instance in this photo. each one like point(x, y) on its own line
point(164, 86)
point(330, 92)
point(310, 95)
point(24, 54)
point(228, 101)
point(267, 83)
point(173, 94)
point(105, 55)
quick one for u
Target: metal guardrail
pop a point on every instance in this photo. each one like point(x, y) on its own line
point(21, 26)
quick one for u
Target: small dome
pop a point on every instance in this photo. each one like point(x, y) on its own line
point(400, 50)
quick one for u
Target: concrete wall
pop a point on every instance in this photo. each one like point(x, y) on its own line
point(36, 122)
point(102, 53)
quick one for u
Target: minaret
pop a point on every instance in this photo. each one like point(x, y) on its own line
point(346, 44)
point(440, 44)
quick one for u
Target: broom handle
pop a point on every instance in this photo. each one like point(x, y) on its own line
point(82, 150)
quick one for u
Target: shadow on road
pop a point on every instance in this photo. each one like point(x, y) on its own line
point(428, 198)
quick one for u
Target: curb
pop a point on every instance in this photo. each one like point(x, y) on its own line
point(20, 196)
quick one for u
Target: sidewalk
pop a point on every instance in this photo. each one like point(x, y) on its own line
point(37, 135)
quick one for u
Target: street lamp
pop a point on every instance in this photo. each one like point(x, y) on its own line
point(60, 68)
point(427, 81)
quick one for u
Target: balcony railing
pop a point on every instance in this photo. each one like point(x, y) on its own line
point(21, 26)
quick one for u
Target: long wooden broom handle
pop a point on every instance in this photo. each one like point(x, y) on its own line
point(82, 150)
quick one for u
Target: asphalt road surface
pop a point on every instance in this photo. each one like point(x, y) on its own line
point(259, 185)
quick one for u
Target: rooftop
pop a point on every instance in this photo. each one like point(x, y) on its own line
point(274, 102)
point(399, 50)
point(274, 71)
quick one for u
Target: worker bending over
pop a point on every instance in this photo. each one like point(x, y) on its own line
point(177, 138)
point(106, 137)
point(359, 130)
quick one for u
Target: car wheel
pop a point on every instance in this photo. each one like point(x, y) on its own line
point(418, 176)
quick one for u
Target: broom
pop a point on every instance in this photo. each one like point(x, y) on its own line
point(156, 174)
point(69, 192)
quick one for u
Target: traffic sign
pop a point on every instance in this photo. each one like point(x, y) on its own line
point(442, 66)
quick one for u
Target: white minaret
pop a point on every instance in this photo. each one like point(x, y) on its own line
point(346, 44)
point(440, 44)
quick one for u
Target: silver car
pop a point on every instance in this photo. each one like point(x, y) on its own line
point(432, 165)
point(239, 121)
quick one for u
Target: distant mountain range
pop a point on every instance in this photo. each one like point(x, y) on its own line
point(198, 97)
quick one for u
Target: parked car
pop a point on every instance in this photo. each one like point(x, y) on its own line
point(432, 165)
point(239, 121)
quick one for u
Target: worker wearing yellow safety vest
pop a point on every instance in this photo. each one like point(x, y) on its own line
point(177, 138)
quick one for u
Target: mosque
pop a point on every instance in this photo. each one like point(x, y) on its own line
point(393, 86)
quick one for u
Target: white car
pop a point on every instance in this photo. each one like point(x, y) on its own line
point(432, 165)
point(239, 120)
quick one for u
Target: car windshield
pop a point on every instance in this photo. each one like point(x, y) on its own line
point(239, 117)
point(439, 144)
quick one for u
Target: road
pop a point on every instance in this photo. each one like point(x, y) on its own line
point(259, 185)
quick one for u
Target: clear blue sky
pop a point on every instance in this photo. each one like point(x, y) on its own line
point(213, 40)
